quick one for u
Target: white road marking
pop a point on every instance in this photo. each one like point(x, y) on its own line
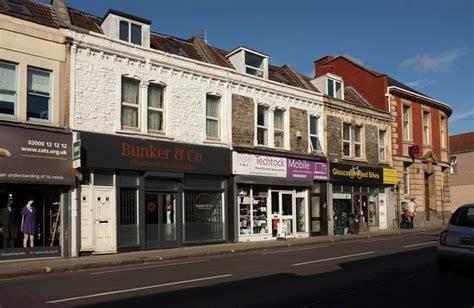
point(146, 267)
point(420, 244)
point(335, 258)
point(137, 289)
point(291, 250)
point(348, 293)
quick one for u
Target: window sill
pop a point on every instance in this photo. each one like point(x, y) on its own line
point(266, 147)
point(211, 141)
point(359, 160)
point(408, 142)
point(139, 133)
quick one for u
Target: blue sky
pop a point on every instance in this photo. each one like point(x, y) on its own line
point(426, 44)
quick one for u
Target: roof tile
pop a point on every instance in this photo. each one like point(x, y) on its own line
point(462, 143)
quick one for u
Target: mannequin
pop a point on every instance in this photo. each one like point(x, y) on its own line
point(28, 223)
point(9, 221)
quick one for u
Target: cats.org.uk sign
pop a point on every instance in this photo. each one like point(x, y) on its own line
point(35, 156)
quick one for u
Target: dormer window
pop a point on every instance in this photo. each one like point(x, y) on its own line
point(130, 32)
point(254, 64)
point(334, 88)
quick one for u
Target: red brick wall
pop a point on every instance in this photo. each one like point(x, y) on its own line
point(417, 123)
point(372, 87)
point(399, 120)
point(435, 132)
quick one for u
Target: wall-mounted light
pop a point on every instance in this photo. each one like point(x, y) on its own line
point(299, 135)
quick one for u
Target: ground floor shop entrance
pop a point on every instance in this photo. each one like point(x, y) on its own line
point(160, 220)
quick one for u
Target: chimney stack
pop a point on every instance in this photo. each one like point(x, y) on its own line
point(62, 13)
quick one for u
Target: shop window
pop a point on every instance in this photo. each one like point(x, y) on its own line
point(130, 103)
point(156, 109)
point(39, 94)
point(128, 218)
point(130, 32)
point(8, 89)
point(253, 210)
point(279, 128)
point(212, 116)
point(262, 125)
point(203, 216)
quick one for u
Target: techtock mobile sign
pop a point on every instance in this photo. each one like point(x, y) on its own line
point(35, 156)
point(260, 165)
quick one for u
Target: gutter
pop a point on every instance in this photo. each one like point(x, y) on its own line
point(430, 100)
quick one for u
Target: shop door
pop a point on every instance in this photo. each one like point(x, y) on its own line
point(283, 211)
point(160, 220)
point(104, 226)
point(317, 213)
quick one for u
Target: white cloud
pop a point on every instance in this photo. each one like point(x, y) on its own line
point(430, 63)
point(461, 115)
point(420, 83)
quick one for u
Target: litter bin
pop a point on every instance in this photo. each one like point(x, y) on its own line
point(338, 230)
point(405, 224)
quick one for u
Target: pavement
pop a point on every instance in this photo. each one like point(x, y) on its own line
point(20, 268)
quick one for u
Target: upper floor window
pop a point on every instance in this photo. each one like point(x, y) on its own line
point(212, 116)
point(314, 134)
point(39, 94)
point(279, 128)
point(454, 165)
point(156, 108)
point(352, 140)
point(8, 89)
point(443, 131)
point(130, 32)
point(406, 122)
point(254, 64)
point(262, 125)
point(130, 103)
point(334, 88)
point(426, 127)
point(382, 154)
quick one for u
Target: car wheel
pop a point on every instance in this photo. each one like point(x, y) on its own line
point(444, 265)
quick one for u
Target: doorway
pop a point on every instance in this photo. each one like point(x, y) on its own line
point(104, 223)
point(319, 210)
point(283, 211)
point(427, 196)
point(160, 220)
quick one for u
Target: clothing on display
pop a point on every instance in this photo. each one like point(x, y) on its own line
point(30, 215)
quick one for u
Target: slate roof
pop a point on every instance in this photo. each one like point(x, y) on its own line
point(461, 143)
point(351, 95)
point(393, 83)
point(40, 13)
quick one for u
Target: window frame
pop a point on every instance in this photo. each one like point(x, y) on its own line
point(281, 130)
point(406, 111)
point(263, 127)
point(156, 109)
point(406, 179)
point(14, 92)
point(316, 135)
point(426, 123)
point(131, 105)
point(130, 32)
point(453, 165)
point(255, 68)
point(347, 141)
point(50, 96)
point(335, 93)
point(382, 145)
point(355, 129)
point(442, 133)
point(211, 118)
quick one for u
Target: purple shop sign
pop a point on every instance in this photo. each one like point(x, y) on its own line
point(306, 169)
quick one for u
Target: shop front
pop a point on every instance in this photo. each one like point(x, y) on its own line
point(35, 182)
point(273, 196)
point(359, 197)
point(148, 194)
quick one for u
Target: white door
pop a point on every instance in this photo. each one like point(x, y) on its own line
point(87, 220)
point(287, 210)
point(104, 224)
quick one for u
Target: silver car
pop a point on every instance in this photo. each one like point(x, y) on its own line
point(456, 243)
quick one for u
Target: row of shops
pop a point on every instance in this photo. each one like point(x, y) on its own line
point(131, 194)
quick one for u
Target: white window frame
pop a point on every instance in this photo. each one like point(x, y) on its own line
point(156, 109)
point(426, 119)
point(14, 92)
point(316, 135)
point(261, 70)
point(49, 96)
point(382, 145)
point(357, 143)
point(214, 119)
point(137, 106)
point(347, 141)
point(443, 131)
point(129, 34)
point(334, 88)
point(263, 127)
point(406, 109)
point(454, 165)
point(406, 179)
point(281, 130)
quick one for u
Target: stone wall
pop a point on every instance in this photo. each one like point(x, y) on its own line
point(371, 144)
point(243, 116)
point(299, 122)
point(333, 132)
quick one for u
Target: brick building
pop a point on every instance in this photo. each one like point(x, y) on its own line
point(419, 135)
point(462, 169)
